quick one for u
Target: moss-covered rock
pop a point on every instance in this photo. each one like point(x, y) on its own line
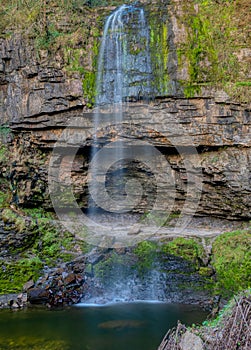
point(30, 242)
point(13, 275)
point(146, 253)
point(188, 249)
point(212, 47)
point(231, 260)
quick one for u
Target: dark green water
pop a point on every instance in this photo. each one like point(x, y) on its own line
point(128, 326)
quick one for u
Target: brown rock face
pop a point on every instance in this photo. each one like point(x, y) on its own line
point(30, 89)
point(214, 138)
point(208, 137)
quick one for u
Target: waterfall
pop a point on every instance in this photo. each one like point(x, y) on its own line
point(124, 74)
point(124, 69)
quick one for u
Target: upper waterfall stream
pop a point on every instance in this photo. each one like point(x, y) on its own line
point(124, 67)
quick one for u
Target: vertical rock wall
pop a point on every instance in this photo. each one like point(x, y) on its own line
point(201, 78)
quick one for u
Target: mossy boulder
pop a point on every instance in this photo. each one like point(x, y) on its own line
point(232, 260)
point(13, 275)
point(187, 248)
point(32, 240)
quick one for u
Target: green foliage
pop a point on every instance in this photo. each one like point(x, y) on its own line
point(4, 131)
point(14, 275)
point(74, 59)
point(47, 38)
point(20, 12)
point(97, 3)
point(232, 260)
point(53, 243)
point(19, 222)
point(200, 53)
point(43, 242)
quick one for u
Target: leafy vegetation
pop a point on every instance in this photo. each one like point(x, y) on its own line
point(159, 49)
point(4, 131)
point(31, 15)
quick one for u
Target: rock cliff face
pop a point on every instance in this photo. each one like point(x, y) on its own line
point(44, 89)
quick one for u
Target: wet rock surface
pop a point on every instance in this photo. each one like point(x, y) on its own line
point(59, 287)
point(13, 301)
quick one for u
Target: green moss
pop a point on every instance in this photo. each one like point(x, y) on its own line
point(243, 83)
point(3, 153)
point(106, 268)
point(89, 87)
point(39, 241)
point(146, 253)
point(216, 32)
point(206, 271)
point(5, 132)
point(188, 249)
point(13, 275)
point(39, 213)
point(159, 50)
point(47, 38)
point(74, 58)
point(4, 199)
point(31, 343)
point(53, 243)
point(200, 54)
point(19, 222)
point(232, 260)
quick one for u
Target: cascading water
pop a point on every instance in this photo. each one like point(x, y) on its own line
point(124, 69)
point(124, 74)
